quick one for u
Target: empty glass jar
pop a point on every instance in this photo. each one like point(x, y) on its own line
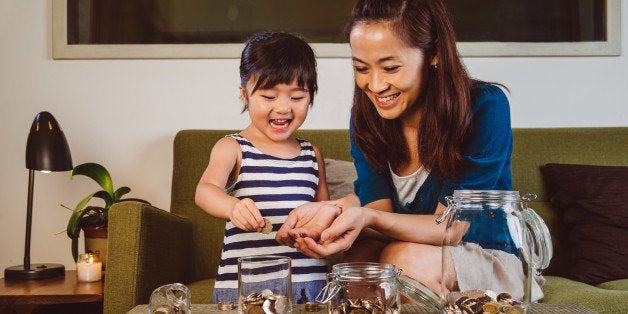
point(516, 247)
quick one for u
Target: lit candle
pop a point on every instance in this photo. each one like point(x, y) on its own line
point(88, 268)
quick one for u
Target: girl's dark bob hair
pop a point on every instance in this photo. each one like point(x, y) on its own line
point(272, 58)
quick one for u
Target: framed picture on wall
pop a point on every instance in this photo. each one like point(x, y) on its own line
point(121, 29)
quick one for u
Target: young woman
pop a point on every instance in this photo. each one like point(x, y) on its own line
point(420, 129)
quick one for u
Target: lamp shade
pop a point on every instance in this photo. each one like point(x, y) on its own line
point(47, 148)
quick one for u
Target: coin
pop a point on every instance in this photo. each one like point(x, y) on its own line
point(474, 294)
point(311, 307)
point(491, 307)
point(268, 226)
point(265, 302)
point(226, 306)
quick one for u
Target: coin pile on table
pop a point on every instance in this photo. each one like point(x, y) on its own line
point(364, 306)
point(265, 302)
point(478, 301)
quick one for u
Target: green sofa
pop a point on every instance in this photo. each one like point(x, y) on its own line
point(149, 247)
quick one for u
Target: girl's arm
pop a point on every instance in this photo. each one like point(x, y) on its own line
point(322, 193)
point(210, 196)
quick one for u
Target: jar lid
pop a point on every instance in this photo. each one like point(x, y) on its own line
point(419, 293)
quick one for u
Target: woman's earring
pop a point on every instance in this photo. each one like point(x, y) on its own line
point(434, 63)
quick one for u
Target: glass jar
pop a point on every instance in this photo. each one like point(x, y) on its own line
point(365, 287)
point(174, 298)
point(88, 268)
point(516, 248)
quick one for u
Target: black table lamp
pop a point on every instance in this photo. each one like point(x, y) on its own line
point(46, 150)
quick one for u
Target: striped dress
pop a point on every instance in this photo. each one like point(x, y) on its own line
point(276, 186)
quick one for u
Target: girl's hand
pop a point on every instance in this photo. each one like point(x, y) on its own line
point(246, 216)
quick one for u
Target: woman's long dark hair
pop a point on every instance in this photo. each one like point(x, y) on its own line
point(445, 98)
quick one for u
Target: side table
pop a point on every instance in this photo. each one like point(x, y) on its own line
point(53, 295)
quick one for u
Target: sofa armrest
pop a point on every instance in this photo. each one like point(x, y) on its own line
point(147, 247)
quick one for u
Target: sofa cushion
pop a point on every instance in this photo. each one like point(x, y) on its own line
point(592, 209)
point(340, 175)
point(202, 290)
point(563, 290)
point(620, 284)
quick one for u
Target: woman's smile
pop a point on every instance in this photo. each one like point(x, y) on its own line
point(387, 101)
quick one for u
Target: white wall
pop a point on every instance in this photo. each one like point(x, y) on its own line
point(125, 113)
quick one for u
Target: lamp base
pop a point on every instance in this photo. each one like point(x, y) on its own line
point(35, 272)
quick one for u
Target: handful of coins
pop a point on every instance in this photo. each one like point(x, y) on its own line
point(265, 302)
point(478, 301)
point(364, 306)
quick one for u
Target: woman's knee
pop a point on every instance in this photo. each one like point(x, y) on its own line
point(419, 261)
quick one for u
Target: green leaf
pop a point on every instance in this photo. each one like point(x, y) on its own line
point(109, 199)
point(73, 229)
point(98, 173)
point(75, 249)
point(121, 192)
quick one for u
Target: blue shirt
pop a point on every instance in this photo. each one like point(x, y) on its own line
point(487, 150)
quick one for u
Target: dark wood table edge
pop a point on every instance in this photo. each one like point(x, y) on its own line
point(12, 292)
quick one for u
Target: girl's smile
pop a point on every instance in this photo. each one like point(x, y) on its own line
point(280, 123)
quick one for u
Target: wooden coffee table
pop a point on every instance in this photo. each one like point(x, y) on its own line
point(57, 295)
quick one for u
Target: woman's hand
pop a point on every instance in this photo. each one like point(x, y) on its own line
point(349, 200)
point(307, 220)
point(246, 216)
point(323, 218)
point(338, 237)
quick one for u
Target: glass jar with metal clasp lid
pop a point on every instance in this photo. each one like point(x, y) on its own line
point(494, 249)
point(365, 287)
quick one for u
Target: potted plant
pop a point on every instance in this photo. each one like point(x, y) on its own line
point(93, 219)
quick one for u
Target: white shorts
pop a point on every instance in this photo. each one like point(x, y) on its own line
point(495, 270)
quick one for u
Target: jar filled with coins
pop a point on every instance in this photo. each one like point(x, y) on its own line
point(365, 287)
point(264, 284)
point(498, 227)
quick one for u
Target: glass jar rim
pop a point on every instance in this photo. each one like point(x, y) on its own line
point(487, 195)
point(90, 257)
point(364, 271)
point(263, 259)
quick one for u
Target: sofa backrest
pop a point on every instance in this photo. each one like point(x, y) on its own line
point(532, 148)
point(535, 147)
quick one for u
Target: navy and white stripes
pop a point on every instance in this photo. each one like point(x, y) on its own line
point(276, 186)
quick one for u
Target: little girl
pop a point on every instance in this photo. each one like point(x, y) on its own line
point(256, 177)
